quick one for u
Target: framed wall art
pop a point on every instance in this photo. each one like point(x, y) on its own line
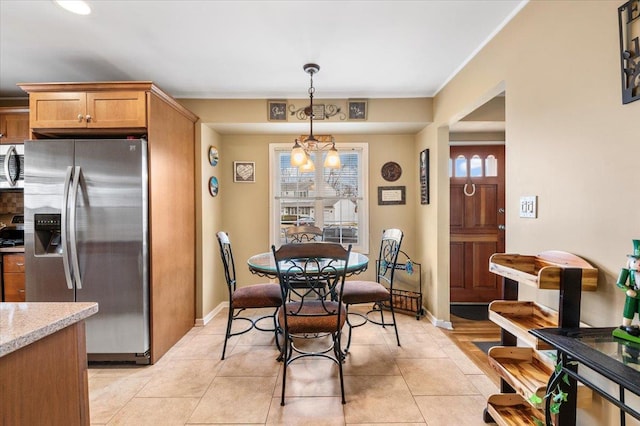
point(424, 176)
point(357, 109)
point(629, 29)
point(213, 186)
point(213, 156)
point(244, 171)
point(277, 110)
point(390, 195)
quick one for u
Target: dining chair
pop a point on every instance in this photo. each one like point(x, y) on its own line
point(315, 310)
point(266, 295)
point(303, 234)
point(378, 292)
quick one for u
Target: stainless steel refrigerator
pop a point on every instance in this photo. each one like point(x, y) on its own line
point(86, 237)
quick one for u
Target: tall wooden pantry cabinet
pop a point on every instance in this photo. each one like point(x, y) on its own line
point(140, 108)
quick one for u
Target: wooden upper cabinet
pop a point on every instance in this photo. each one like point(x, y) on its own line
point(91, 110)
point(54, 110)
point(116, 109)
point(14, 125)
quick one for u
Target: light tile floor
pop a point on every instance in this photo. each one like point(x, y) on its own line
point(427, 381)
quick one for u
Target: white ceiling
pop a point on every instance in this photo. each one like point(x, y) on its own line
point(249, 49)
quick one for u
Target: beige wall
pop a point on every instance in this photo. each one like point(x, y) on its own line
point(241, 209)
point(569, 140)
point(208, 222)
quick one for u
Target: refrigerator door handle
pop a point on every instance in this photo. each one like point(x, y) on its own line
point(11, 152)
point(63, 228)
point(72, 230)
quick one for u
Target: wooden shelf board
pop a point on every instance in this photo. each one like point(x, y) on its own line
point(523, 368)
point(528, 371)
point(518, 317)
point(544, 270)
point(512, 410)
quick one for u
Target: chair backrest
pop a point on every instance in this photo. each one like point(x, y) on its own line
point(313, 271)
point(388, 257)
point(227, 260)
point(303, 234)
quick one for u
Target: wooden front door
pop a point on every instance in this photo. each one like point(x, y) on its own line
point(476, 174)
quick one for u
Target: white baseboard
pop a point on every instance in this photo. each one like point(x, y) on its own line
point(438, 322)
point(201, 322)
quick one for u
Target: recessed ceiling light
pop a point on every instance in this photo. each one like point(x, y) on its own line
point(79, 7)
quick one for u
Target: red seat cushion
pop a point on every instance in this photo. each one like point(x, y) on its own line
point(257, 296)
point(313, 317)
point(364, 292)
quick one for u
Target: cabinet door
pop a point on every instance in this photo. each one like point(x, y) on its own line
point(14, 127)
point(14, 262)
point(116, 109)
point(14, 290)
point(56, 110)
point(13, 277)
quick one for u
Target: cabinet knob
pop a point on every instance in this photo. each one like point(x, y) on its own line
point(1, 135)
point(80, 117)
point(88, 118)
point(502, 227)
point(20, 291)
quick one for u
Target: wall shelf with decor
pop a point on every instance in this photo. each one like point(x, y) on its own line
point(525, 370)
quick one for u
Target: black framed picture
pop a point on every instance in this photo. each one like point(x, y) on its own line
point(391, 195)
point(277, 110)
point(244, 171)
point(629, 29)
point(424, 176)
point(357, 109)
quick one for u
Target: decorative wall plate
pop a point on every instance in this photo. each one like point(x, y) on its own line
point(213, 186)
point(213, 155)
point(391, 171)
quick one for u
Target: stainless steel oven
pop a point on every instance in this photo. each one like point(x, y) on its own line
point(11, 166)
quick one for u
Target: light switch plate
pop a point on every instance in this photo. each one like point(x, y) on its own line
point(529, 206)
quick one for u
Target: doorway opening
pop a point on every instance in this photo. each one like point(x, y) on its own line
point(477, 208)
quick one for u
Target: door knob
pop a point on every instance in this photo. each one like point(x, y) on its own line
point(501, 227)
point(501, 210)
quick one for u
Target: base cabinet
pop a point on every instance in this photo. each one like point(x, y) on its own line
point(13, 277)
point(46, 382)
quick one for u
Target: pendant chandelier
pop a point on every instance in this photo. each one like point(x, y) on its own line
point(302, 148)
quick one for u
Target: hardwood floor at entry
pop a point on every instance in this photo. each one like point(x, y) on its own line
point(465, 332)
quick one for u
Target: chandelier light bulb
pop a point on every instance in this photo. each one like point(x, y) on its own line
point(332, 159)
point(308, 166)
point(298, 156)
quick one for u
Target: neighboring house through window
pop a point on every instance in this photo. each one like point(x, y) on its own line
point(334, 200)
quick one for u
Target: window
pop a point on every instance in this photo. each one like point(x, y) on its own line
point(332, 199)
point(460, 167)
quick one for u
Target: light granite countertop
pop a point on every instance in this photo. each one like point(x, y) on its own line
point(24, 323)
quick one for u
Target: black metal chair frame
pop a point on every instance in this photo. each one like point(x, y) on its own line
point(385, 271)
point(234, 312)
point(320, 299)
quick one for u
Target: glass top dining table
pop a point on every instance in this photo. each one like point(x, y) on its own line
point(264, 264)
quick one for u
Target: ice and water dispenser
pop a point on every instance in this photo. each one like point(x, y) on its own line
point(47, 234)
